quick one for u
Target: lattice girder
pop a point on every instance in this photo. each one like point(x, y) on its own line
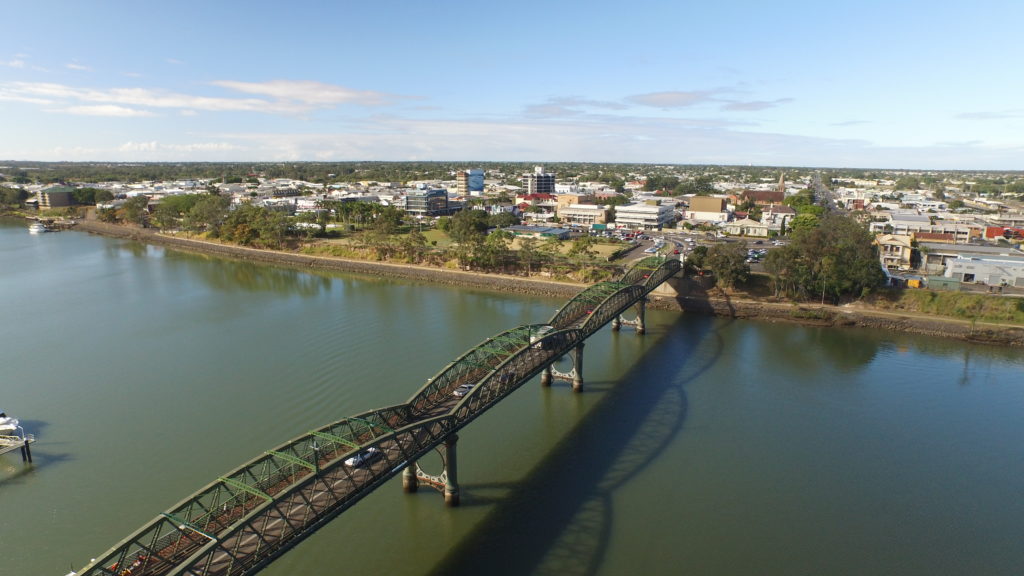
point(584, 303)
point(315, 500)
point(471, 366)
point(514, 372)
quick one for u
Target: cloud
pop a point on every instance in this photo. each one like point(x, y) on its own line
point(755, 104)
point(569, 106)
point(315, 94)
point(16, 63)
point(104, 110)
point(76, 66)
point(173, 61)
point(851, 123)
point(677, 99)
point(139, 146)
point(290, 98)
point(153, 146)
point(1003, 115)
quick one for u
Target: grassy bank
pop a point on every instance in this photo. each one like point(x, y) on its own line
point(959, 305)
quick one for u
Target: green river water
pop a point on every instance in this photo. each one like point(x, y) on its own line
point(707, 446)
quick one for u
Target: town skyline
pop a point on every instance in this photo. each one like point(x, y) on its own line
point(876, 86)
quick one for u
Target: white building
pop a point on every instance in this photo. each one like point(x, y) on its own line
point(644, 216)
point(583, 214)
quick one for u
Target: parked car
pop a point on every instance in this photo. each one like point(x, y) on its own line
point(462, 390)
point(538, 335)
point(363, 458)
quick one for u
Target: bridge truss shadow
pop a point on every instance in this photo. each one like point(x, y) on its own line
point(559, 520)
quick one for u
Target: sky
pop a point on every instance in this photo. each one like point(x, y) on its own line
point(896, 84)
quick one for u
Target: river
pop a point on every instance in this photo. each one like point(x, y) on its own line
point(707, 446)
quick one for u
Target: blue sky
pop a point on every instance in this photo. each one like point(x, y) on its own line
point(934, 85)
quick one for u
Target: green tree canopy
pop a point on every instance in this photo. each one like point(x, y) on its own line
point(729, 263)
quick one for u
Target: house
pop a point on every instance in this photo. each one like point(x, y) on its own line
point(895, 251)
point(746, 227)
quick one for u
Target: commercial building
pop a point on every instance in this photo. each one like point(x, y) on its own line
point(707, 209)
point(586, 214)
point(539, 182)
point(644, 216)
point(56, 197)
point(469, 182)
point(427, 202)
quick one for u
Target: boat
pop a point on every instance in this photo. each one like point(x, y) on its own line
point(37, 228)
point(8, 424)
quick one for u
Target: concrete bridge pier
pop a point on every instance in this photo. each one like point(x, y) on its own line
point(641, 311)
point(410, 480)
point(451, 484)
point(545, 377)
point(577, 372)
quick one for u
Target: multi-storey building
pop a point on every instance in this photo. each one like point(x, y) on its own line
point(539, 182)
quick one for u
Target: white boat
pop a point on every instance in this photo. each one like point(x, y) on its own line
point(8, 424)
point(37, 228)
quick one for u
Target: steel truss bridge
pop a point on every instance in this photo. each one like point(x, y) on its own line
point(244, 520)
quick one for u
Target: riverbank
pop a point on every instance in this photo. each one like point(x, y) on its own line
point(694, 297)
point(495, 282)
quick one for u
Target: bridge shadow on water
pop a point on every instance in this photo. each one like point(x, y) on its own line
point(559, 520)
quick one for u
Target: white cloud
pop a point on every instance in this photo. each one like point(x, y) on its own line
point(139, 146)
point(104, 110)
point(673, 99)
point(76, 66)
point(316, 94)
point(288, 98)
point(16, 63)
point(755, 104)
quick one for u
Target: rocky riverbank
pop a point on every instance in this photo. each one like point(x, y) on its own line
point(695, 298)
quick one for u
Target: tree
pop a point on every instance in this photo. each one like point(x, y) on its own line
point(582, 249)
point(12, 196)
point(835, 258)
point(729, 263)
point(468, 224)
point(528, 252)
point(135, 210)
point(502, 220)
point(908, 183)
point(208, 213)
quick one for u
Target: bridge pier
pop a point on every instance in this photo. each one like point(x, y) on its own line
point(451, 484)
point(638, 324)
point(410, 480)
point(575, 376)
point(577, 368)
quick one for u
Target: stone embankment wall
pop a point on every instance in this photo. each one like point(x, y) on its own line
point(717, 303)
point(536, 287)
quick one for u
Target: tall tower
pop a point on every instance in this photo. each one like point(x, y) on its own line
point(782, 182)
